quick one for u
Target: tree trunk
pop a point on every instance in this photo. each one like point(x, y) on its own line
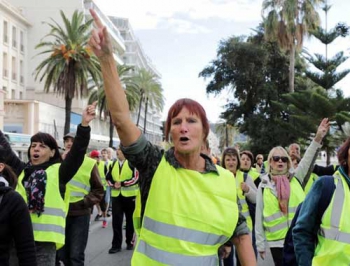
point(226, 135)
point(291, 68)
point(145, 118)
point(111, 129)
point(68, 113)
point(139, 113)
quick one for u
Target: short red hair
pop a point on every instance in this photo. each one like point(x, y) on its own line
point(193, 107)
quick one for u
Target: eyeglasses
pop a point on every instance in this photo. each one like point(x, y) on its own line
point(282, 158)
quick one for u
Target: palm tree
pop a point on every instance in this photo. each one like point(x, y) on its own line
point(151, 93)
point(70, 61)
point(287, 22)
point(225, 133)
point(131, 93)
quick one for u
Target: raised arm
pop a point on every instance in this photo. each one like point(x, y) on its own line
point(307, 159)
point(101, 45)
point(75, 156)
point(11, 158)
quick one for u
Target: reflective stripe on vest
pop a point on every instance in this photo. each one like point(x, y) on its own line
point(178, 230)
point(333, 246)
point(79, 185)
point(85, 187)
point(333, 232)
point(182, 233)
point(48, 228)
point(244, 208)
point(176, 259)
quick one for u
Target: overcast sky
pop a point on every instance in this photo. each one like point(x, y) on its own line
point(181, 38)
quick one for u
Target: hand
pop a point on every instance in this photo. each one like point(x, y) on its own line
point(262, 254)
point(244, 187)
point(224, 251)
point(322, 130)
point(89, 114)
point(117, 185)
point(100, 41)
point(64, 154)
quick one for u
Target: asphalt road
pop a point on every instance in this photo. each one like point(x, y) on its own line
point(100, 242)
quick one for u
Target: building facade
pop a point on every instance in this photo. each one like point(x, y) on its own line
point(22, 28)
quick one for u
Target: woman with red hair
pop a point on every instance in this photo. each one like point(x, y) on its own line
point(188, 204)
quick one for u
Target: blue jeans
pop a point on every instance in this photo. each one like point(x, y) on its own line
point(77, 232)
point(108, 194)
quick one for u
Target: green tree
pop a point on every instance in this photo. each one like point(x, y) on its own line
point(305, 112)
point(327, 75)
point(131, 93)
point(70, 61)
point(255, 73)
point(151, 93)
point(287, 22)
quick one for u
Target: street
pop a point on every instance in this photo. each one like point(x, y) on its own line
point(100, 242)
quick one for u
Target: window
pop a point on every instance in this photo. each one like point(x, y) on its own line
point(14, 37)
point(14, 68)
point(5, 70)
point(5, 32)
point(21, 39)
point(21, 76)
point(13, 94)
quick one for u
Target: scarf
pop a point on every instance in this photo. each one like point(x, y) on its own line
point(35, 179)
point(283, 191)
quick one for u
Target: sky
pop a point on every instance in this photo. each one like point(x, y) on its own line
point(181, 38)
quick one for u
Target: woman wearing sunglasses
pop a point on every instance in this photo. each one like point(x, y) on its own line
point(279, 194)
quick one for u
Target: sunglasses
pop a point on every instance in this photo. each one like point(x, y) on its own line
point(282, 158)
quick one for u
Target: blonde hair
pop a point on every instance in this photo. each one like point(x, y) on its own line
point(284, 152)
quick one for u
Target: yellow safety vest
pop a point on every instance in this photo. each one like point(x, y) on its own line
point(125, 174)
point(102, 165)
point(253, 173)
point(79, 185)
point(242, 200)
point(333, 246)
point(188, 216)
point(50, 225)
point(275, 223)
point(136, 217)
point(312, 179)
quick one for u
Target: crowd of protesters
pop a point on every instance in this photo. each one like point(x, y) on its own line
point(182, 206)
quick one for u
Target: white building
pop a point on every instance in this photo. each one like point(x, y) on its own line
point(22, 28)
point(135, 56)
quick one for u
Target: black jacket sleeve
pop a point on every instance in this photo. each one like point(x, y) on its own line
point(11, 158)
point(75, 157)
point(21, 227)
point(324, 170)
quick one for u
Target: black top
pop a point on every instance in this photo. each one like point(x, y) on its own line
point(15, 226)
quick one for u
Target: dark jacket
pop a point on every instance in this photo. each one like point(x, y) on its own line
point(15, 227)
